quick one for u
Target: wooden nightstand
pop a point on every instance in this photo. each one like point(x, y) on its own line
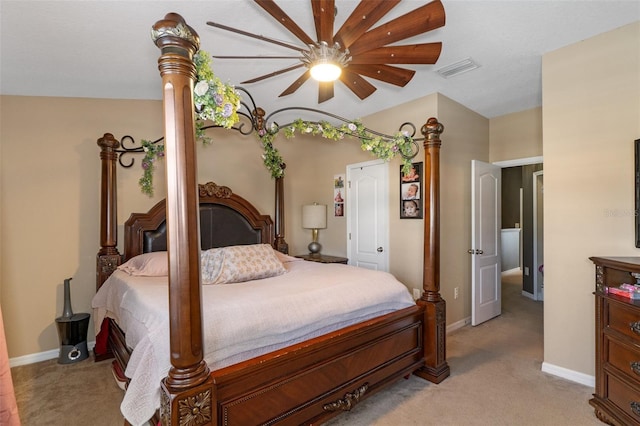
point(323, 258)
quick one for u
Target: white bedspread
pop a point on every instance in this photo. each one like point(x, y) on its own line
point(241, 320)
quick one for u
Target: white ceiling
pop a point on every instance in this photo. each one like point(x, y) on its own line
point(102, 49)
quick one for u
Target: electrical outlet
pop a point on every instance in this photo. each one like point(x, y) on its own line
point(456, 291)
point(526, 271)
point(416, 294)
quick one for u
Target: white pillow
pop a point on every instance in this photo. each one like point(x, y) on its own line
point(154, 264)
point(226, 265)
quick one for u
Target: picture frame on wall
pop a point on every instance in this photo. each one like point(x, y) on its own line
point(338, 195)
point(411, 192)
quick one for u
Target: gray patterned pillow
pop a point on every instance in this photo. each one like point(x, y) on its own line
point(226, 265)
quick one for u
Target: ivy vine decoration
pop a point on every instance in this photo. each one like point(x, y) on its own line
point(271, 157)
point(152, 151)
point(385, 148)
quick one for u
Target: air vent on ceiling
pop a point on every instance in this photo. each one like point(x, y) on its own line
point(458, 68)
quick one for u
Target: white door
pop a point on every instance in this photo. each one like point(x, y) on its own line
point(485, 241)
point(368, 215)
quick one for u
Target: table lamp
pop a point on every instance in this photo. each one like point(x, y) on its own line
point(314, 217)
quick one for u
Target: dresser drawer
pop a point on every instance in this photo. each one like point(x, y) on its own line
point(624, 319)
point(624, 358)
point(625, 397)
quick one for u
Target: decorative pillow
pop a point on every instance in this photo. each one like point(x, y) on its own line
point(155, 264)
point(236, 264)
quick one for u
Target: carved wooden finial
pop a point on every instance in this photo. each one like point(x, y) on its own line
point(173, 31)
point(432, 131)
point(108, 141)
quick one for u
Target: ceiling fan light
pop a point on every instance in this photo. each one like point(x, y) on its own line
point(325, 71)
point(325, 63)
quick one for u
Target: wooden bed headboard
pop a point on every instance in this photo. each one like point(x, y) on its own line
point(226, 219)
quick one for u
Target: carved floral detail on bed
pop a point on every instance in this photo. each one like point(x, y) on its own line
point(210, 189)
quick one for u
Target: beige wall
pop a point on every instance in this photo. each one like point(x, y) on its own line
point(50, 202)
point(591, 116)
point(516, 136)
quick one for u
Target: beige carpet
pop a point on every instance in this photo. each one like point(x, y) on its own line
point(495, 380)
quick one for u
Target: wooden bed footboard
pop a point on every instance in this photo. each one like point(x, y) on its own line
point(315, 380)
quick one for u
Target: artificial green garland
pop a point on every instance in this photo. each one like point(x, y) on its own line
point(218, 103)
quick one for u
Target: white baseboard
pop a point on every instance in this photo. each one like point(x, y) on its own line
point(458, 324)
point(529, 295)
point(565, 373)
point(40, 356)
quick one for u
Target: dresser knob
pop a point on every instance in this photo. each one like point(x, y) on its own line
point(635, 407)
point(635, 327)
point(635, 367)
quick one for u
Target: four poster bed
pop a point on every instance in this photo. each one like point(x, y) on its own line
point(340, 342)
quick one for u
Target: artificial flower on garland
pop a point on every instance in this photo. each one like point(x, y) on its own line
point(214, 101)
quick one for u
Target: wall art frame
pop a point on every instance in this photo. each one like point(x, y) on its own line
point(411, 192)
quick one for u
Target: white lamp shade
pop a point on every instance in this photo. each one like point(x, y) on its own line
point(314, 216)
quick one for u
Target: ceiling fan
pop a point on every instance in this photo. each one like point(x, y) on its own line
point(354, 50)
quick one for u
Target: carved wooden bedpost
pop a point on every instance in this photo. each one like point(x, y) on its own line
point(188, 389)
point(436, 368)
point(280, 244)
point(108, 257)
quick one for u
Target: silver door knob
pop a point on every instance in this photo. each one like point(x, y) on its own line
point(479, 252)
point(471, 251)
point(379, 250)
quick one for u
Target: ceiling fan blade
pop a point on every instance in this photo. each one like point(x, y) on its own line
point(418, 21)
point(272, 74)
point(358, 85)
point(426, 53)
point(257, 36)
point(274, 10)
point(254, 57)
point(325, 91)
point(324, 12)
point(367, 13)
point(388, 74)
point(296, 84)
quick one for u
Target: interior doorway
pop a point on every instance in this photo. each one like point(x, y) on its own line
point(522, 218)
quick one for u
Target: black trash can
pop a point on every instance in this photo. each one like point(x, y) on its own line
point(72, 331)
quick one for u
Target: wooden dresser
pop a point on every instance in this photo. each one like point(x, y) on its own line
point(617, 393)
